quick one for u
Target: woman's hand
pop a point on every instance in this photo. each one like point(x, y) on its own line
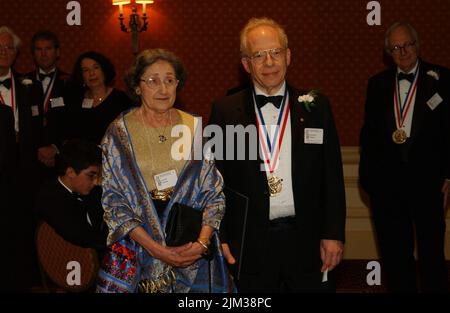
point(169, 255)
point(194, 249)
point(181, 256)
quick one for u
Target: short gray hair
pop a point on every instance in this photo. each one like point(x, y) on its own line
point(263, 21)
point(145, 59)
point(16, 39)
point(396, 25)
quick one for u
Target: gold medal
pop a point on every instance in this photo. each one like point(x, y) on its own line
point(399, 136)
point(275, 185)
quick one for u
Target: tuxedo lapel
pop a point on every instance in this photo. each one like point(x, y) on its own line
point(424, 92)
point(245, 116)
point(298, 119)
point(389, 113)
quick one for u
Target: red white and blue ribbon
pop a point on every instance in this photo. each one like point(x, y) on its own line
point(402, 107)
point(271, 147)
point(48, 91)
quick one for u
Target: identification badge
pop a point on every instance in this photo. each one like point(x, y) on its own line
point(434, 101)
point(166, 180)
point(314, 136)
point(87, 103)
point(57, 102)
point(34, 110)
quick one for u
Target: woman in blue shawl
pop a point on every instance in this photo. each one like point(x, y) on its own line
point(145, 172)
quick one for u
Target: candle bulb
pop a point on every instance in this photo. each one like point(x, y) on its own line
point(120, 9)
point(144, 8)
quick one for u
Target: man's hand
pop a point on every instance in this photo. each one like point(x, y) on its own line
point(227, 254)
point(46, 155)
point(330, 253)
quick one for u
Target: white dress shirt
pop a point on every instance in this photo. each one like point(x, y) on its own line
point(46, 82)
point(282, 204)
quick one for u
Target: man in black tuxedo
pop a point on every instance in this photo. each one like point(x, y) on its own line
point(18, 150)
point(405, 161)
point(66, 202)
point(45, 48)
point(296, 214)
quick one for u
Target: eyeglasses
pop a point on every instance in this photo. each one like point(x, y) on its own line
point(260, 56)
point(156, 82)
point(7, 48)
point(406, 46)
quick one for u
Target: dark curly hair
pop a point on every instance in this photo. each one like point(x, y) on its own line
point(105, 64)
point(145, 59)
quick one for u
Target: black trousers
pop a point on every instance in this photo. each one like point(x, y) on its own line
point(400, 221)
point(286, 264)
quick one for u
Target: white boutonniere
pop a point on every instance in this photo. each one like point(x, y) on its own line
point(308, 99)
point(27, 82)
point(433, 74)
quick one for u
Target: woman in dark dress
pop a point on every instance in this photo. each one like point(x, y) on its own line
point(93, 100)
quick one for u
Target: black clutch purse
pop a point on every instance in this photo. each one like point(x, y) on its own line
point(183, 225)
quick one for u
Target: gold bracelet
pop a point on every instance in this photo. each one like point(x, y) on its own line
point(202, 244)
point(205, 240)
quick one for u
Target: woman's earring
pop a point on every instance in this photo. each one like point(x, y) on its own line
point(138, 91)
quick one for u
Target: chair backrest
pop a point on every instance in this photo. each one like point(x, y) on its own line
point(70, 267)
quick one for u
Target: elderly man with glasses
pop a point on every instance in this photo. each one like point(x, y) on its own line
point(405, 163)
point(296, 204)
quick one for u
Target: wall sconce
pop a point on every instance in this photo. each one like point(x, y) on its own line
point(134, 25)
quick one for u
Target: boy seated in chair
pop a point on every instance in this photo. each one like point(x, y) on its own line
point(71, 203)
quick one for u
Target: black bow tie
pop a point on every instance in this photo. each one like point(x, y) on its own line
point(409, 77)
point(262, 100)
point(43, 76)
point(6, 83)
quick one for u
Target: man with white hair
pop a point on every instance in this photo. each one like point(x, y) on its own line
point(405, 161)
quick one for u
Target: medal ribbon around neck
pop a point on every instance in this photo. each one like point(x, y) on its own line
point(271, 148)
point(402, 109)
point(48, 91)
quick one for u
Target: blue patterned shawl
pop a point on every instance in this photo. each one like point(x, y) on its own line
point(128, 204)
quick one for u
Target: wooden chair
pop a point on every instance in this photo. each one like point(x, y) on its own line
point(69, 267)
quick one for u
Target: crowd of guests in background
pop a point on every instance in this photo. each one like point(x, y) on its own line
point(52, 123)
point(39, 111)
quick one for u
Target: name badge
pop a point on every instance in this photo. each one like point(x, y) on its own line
point(434, 101)
point(314, 136)
point(87, 103)
point(57, 102)
point(34, 110)
point(166, 180)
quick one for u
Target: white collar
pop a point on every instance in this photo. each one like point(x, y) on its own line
point(411, 71)
point(68, 189)
point(41, 71)
point(280, 91)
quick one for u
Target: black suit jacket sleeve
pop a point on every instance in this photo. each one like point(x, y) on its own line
point(215, 119)
point(335, 207)
point(67, 216)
